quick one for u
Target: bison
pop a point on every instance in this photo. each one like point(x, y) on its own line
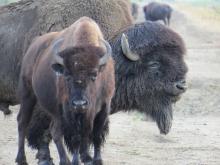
point(134, 10)
point(150, 75)
point(22, 21)
point(70, 74)
point(161, 59)
point(155, 11)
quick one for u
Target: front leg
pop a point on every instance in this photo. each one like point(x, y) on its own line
point(84, 151)
point(57, 136)
point(100, 130)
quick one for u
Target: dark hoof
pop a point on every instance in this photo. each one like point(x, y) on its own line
point(22, 163)
point(7, 112)
point(45, 162)
point(67, 162)
point(21, 160)
point(88, 163)
point(76, 162)
point(97, 162)
point(86, 159)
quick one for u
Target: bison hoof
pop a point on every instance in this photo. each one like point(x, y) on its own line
point(5, 109)
point(21, 159)
point(46, 162)
point(88, 163)
point(97, 162)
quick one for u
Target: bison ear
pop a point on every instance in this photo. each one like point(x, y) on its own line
point(58, 68)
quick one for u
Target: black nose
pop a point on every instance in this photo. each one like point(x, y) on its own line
point(80, 104)
point(181, 85)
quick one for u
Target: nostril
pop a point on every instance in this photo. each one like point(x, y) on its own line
point(79, 102)
point(181, 85)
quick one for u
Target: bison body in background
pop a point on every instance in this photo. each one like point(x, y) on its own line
point(155, 11)
point(150, 76)
point(70, 74)
point(24, 20)
point(134, 10)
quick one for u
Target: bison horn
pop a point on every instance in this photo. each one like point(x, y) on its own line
point(126, 49)
point(105, 58)
point(56, 50)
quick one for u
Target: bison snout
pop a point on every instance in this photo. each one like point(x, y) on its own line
point(80, 104)
point(181, 85)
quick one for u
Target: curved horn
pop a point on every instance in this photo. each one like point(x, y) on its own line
point(126, 49)
point(56, 48)
point(105, 58)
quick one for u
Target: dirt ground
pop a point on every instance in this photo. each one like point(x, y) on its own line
point(133, 140)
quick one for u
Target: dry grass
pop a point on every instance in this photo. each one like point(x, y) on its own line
point(207, 16)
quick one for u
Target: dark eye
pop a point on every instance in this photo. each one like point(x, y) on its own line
point(93, 76)
point(58, 68)
point(153, 65)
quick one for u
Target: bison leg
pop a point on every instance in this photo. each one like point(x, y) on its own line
point(27, 105)
point(4, 107)
point(84, 151)
point(100, 130)
point(43, 155)
point(57, 136)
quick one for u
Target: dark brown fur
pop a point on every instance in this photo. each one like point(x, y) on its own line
point(81, 51)
point(155, 11)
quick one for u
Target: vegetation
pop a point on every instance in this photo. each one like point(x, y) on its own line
point(5, 2)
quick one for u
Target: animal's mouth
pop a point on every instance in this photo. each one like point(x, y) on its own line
point(177, 89)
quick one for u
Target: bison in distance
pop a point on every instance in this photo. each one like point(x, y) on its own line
point(71, 75)
point(155, 11)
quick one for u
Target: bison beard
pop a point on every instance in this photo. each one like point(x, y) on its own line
point(147, 85)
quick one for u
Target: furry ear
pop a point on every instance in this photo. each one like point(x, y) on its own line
point(57, 68)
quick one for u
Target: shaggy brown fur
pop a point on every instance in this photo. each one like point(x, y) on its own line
point(72, 79)
point(24, 20)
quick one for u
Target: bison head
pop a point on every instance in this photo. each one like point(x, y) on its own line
point(78, 69)
point(150, 71)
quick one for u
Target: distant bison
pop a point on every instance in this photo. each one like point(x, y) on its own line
point(157, 11)
point(71, 75)
point(134, 10)
point(150, 77)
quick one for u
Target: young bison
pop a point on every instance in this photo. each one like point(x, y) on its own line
point(70, 74)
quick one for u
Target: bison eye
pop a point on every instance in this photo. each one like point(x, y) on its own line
point(93, 76)
point(153, 65)
point(58, 68)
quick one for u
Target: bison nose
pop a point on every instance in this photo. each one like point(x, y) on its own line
point(79, 104)
point(181, 85)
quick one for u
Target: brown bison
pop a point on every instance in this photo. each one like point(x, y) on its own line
point(24, 20)
point(70, 74)
point(150, 77)
point(155, 11)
